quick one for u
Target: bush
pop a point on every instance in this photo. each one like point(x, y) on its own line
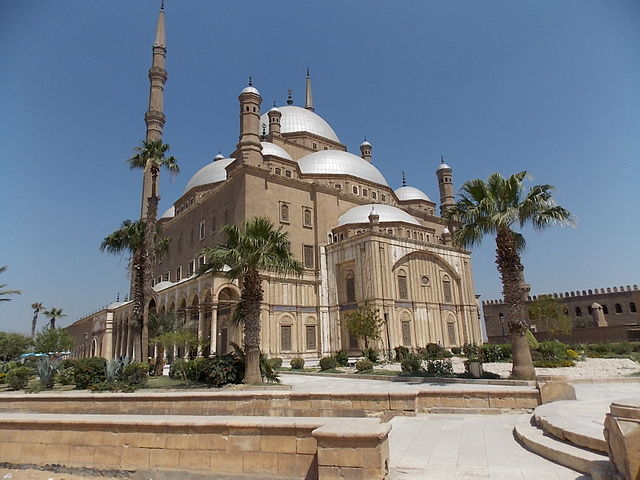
point(553, 350)
point(370, 354)
point(275, 363)
point(364, 364)
point(103, 387)
point(135, 374)
point(572, 354)
point(433, 351)
point(2, 377)
point(411, 363)
point(46, 370)
point(216, 371)
point(297, 363)
point(18, 377)
point(553, 363)
point(440, 368)
point(401, 352)
point(342, 358)
point(328, 363)
point(88, 371)
point(472, 351)
point(65, 376)
point(456, 350)
point(531, 340)
point(493, 353)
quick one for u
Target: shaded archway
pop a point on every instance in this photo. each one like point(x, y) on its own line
point(227, 331)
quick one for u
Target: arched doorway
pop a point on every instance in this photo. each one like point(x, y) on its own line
point(227, 332)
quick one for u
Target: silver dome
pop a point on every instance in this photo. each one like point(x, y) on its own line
point(250, 89)
point(443, 166)
point(387, 213)
point(211, 173)
point(269, 148)
point(298, 119)
point(170, 213)
point(337, 162)
point(410, 193)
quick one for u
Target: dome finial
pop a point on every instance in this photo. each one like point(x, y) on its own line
point(274, 104)
point(250, 81)
point(404, 179)
point(441, 158)
point(308, 100)
point(290, 97)
point(162, 5)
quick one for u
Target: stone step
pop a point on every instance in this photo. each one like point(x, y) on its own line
point(571, 456)
point(568, 422)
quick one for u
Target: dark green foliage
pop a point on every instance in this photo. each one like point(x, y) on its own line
point(103, 387)
point(370, 354)
point(411, 363)
point(328, 363)
point(52, 340)
point(88, 371)
point(65, 375)
point(553, 363)
point(496, 353)
point(364, 365)
point(440, 368)
point(18, 378)
point(472, 351)
point(215, 371)
point(342, 358)
point(12, 345)
point(553, 351)
point(433, 351)
point(401, 352)
point(46, 369)
point(456, 350)
point(135, 374)
point(531, 340)
point(275, 363)
point(364, 323)
point(297, 363)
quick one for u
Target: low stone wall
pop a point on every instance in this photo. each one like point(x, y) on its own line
point(218, 447)
point(283, 404)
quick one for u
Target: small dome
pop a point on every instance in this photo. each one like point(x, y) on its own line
point(298, 119)
point(250, 89)
point(269, 148)
point(218, 157)
point(405, 194)
point(387, 213)
point(211, 173)
point(443, 166)
point(274, 109)
point(170, 213)
point(365, 144)
point(337, 162)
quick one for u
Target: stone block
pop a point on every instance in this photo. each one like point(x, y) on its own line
point(278, 443)
point(623, 445)
point(134, 458)
point(193, 460)
point(451, 400)
point(244, 443)
point(33, 452)
point(81, 455)
point(308, 446)
point(108, 456)
point(211, 441)
point(260, 462)
point(326, 472)
point(10, 452)
point(502, 402)
point(554, 391)
point(476, 401)
point(164, 459)
point(225, 462)
point(180, 441)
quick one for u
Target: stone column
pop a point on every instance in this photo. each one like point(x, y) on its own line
point(123, 339)
point(116, 350)
point(214, 329)
point(130, 349)
point(107, 339)
point(201, 312)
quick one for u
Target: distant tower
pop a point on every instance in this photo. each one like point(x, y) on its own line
point(275, 116)
point(249, 149)
point(155, 118)
point(445, 183)
point(365, 150)
point(308, 103)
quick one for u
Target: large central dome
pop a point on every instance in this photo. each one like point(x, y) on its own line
point(298, 119)
point(337, 162)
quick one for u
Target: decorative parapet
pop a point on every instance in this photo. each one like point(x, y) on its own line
point(572, 294)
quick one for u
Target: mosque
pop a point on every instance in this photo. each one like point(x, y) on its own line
point(360, 241)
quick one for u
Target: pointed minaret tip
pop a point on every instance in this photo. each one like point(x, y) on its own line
point(308, 104)
point(404, 179)
point(161, 40)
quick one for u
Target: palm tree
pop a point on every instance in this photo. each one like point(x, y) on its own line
point(129, 238)
point(493, 207)
point(255, 247)
point(4, 293)
point(151, 156)
point(54, 314)
point(36, 307)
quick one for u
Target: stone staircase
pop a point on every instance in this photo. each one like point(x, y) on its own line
point(564, 433)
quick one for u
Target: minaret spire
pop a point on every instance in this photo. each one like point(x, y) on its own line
point(404, 179)
point(154, 118)
point(308, 104)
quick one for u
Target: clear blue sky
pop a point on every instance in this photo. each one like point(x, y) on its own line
point(550, 87)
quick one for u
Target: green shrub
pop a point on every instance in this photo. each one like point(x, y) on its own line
point(103, 387)
point(572, 354)
point(531, 340)
point(401, 352)
point(440, 368)
point(370, 354)
point(275, 363)
point(364, 364)
point(135, 374)
point(328, 363)
point(553, 363)
point(2, 377)
point(495, 353)
point(87, 371)
point(472, 351)
point(297, 363)
point(342, 358)
point(456, 350)
point(46, 370)
point(433, 351)
point(178, 369)
point(411, 363)
point(65, 376)
point(553, 350)
point(18, 377)
point(216, 371)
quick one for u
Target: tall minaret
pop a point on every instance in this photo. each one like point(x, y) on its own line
point(154, 118)
point(445, 184)
point(248, 149)
point(308, 103)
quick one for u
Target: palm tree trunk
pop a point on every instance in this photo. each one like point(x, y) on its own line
point(52, 323)
point(149, 261)
point(33, 324)
point(510, 268)
point(138, 287)
point(251, 299)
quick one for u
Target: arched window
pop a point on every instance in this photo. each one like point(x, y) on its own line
point(307, 217)
point(451, 333)
point(285, 338)
point(605, 310)
point(632, 307)
point(618, 308)
point(446, 289)
point(403, 292)
point(578, 312)
point(350, 285)
point(284, 213)
point(590, 310)
point(203, 230)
